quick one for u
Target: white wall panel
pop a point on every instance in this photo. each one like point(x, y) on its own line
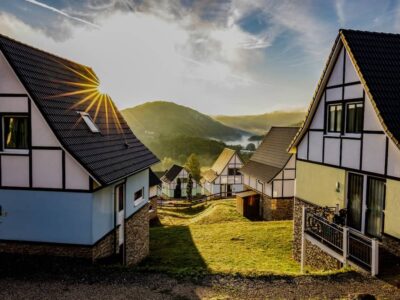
point(353, 91)
point(337, 72)
point(9, 83)
point(302, 148)
point(75, 175)
point(374, 153)
point(288, 188)
point(277, 192)
point(351, 153)
point(350, 73)
point(15, 171)
point(291, 163)
point(47, 168)
point(41, 133)
point(315, 152)
point(393, 160)
point(332, 151)
point(268, 189)
point(371, 121)
point(318, 119)
point(290, 174)
point(14, 104)
point(334, 94)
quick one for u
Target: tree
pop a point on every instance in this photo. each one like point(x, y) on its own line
point(189, 188)
point(193, 166)
point(178, 190)
point(251, 147)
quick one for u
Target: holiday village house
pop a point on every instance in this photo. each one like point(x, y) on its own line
point(269, 178)
point(224, 178)
point(74, 179)
point(174, 183)
point(154, 193)
point(347, 196)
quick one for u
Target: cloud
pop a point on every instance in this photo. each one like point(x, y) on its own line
point(53, 9)
point(339, 6)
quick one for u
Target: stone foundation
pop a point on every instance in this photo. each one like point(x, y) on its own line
point(137, 236)
point(277, 209)
point(391, 244)
point(314, 256)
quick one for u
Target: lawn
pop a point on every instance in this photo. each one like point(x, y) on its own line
point(214, 238)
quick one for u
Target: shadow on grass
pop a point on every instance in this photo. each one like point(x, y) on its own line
point(173, 251)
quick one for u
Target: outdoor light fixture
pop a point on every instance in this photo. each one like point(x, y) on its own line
point(338, 187)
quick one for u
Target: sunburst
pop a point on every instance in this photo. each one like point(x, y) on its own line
point(93, 96)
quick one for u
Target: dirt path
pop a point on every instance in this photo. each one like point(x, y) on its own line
point(159, 286)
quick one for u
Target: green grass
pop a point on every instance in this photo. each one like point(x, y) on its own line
point(215, 239)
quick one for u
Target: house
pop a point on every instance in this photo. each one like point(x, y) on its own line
point(224, 178)
point(348, 158)
point(154, 193)
point(73, 177)
point(269, 175)
point(174, 183)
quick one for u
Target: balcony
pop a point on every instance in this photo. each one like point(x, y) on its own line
point(341, 242)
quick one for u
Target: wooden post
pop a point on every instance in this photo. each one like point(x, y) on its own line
point(303, 240)
point(345, 245)
point(375, 257)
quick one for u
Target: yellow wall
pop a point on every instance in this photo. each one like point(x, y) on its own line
point(317, 184)
point(392, 208)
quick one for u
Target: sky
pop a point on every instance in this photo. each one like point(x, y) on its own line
point(221, 57)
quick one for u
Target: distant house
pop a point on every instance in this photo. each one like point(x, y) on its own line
point(224, 178)
point(74, 179)
point(270, 175)
point(154, 193)
point(346, 207)
point(174, 183)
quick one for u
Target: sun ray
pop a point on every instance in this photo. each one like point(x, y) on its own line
point(99, 103)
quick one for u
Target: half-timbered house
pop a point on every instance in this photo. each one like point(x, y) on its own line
point(348, 156)
point(174, 183)
point(74, 179)
point(224, 178)
point(268, 178)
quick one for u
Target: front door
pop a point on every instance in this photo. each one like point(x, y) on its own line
point(120, 216)
point(223, 190)
point(365, 204)
point(229, 190)
point(375, 206)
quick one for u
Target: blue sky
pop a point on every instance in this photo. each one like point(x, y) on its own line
point(220, 57)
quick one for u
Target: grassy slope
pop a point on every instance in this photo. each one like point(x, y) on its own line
point(259, 124)
point(216, 239)
point(167, 118)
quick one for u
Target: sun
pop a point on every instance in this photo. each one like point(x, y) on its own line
point(101, 88)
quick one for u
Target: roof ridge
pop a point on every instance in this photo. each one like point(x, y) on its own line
point(368, 32)
point(43, 51)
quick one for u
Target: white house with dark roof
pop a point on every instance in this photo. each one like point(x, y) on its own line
point(224, 178)
point(348, 158)
point(174, 183)
point(269, 178)
point(74, 179)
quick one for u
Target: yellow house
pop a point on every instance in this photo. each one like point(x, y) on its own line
point(347, 194)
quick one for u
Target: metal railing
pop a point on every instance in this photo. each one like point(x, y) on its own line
point(349, 245)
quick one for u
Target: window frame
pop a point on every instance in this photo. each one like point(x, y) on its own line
point(137, 201)
point(89, 122)
point(3, 147)
point(328, 123)
point(355, 117)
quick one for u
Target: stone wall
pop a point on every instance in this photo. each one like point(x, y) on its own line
point(277, 209)
point(137, 236)
point(153, 208)
point(104, 247)
point(391, 244)
point(314, 256)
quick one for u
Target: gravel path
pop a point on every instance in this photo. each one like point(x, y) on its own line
point(59, 279)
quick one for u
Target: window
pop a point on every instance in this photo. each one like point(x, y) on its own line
point(335, 118)
point(355, 116)
point(138, 196)
point(232, 171)
point(15, 132)
point(89, 122)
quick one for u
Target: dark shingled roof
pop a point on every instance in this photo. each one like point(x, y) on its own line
point(153, 179)
point(108, 156)
point(378, 57)
point(171, 173)
point(271, 156)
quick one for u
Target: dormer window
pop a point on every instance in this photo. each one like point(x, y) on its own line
point(89, 122)
point(15, 132)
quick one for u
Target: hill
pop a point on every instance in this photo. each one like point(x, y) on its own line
point(260, 124)
point(154, 119)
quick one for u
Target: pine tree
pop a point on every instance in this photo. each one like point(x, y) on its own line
point(189, 188)
point(193, 166)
